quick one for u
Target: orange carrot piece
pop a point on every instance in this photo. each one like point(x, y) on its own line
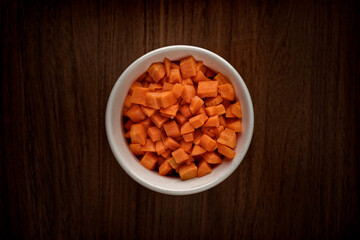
point(198, 120)
point(134, 85)
point(188, 93)
point(209, 73)
point(166, 99)
point(236, 109)
point(227, 91)
point(195, 104)
point(149, 146)
point(160, 160)
point(218, 130)
point(201, 110)
point(172, 129)
point(188, 67)
point(201, 67)
point(197, 150)
point(167, 64)
point(229, 113)
point(167, 87)
point(154, 133)
point(135, 113)
point(170, 111)
point(180, 155)
point(207, 89)
point(200, 77)
point(226, 151)
point(173, 163)
point(156, 71)
point(159, 147)
point(212, 158)
point(127, 102)
point(228, 138)
point(187, 128)
point(234, 125)
point(186, 146)
point(177, 90)
point(135, 148)
point(152, 100)
point(222, 120)
point(215, 110)
point(207, 143)
point(149, 160)
point(187, 172)
point(175, 76)
point(148, 111)
point(187, 81)
point(203, 168)
point(165, 168)
point(180, 118)
point(185, 111)
point(210, 131)
point(146, 123)
point(174, 66)
point(221, 79)
point(142, 77)
point(213, 101)
point(148, 80)
point(158, 120)
point(188, 137)
point(127, 134)
point(128, 124)
point(171, 143)
point(213, 121)
point(166, 154)
point(154, 86)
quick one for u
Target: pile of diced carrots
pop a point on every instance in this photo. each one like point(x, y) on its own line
point(182, 118)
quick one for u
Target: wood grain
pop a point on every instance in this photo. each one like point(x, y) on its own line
point(299, 179)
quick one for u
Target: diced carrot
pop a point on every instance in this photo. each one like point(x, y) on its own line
point(200, 67)
point(158, 120)
point(221, 79)
point(188, 137)
point(135, 148)
point(210, 131)
point(135, 113)
point(203, 168)
point(166, 154)
point(196, 104)
point(148, 80)
point(186, 146)
point(198, 120)
point(215, 110)
point(229, 113)
point(165, 168)
point(200, 77)
point(234, 125)
point(188, 93)
point(152, 100)
point(201, 110)
point(149, 146)
point(212, 158)
point(218, 130)
point(167, 87)
point(187, 172)
point(213, 101)
point(125, 111)
point(149, 160)
point(187, 128)
point(236, 109)
point(185, 110)
point(142, 77)
point(188, 67)
point(174, 66)
point(148, 111)
point(222, 121)
point(175, 76)
point(226, 151)
point(166, 99)
point(197, 150)
point(154, 86)
point(180, 118)
point(134, 85)
point(154, 133)
point(187, 81)
point(213, 121)
point(209, 73)
point(127, 102)
point(127, 134)
point(177, 90)
point(207, 89)
point(156, 71)
point(207, 142)
point(173, 163)
point(180, 155)
point(226, 103)
point(160, 160)
point(172, 129)
point(170, 111)
point(197, 139)
point(167, 64)
point(171, 143)
point(147, 123)
point(227, 91)
point(159, 147)
point(128, 124)
point(228, 138)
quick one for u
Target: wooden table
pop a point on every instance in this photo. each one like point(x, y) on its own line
point(299, 179)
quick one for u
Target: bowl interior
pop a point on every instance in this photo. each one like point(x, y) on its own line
point(119, 145)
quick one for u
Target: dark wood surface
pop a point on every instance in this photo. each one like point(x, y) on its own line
point(299, 179)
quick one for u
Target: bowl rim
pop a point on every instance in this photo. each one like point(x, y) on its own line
point(112, 143)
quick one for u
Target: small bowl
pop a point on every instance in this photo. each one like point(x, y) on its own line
point(114, 122)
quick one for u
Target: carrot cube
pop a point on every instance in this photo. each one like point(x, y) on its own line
point(171, 143)
point(134, 85)
point(207, 143)
point(165, 168)
point(188, 67)
point(148, 111)
point(156, 71)
point(187, 172)
point(177, 90)
point(187, 81)
point(227, 91)
point(172, 129)
point(188, 93)
point(135, 148)
point(152, 100)
point(228, 138)
point(149, 160)
point(234, 125)
point(167, 64)
point(175, 76)
point(215, 110)
point(167, 87)
point(146, 123)
point(203, 168)
point(236, 109)
point(158, 120)
point(180, 118)
point(166, 99)
point(185, 110)
point(200, 77)
point(138, 95)
point(166, 154)
point(188, 137)
point(197, 150)
point(159, 147)
point(221, 79)
point(207, 89)
point(186, 146)
point(154, 133)
point(135, 113)
point(213, 121)
point(155, 86)
point(226, 151)
point(127, 102)
point(198, 120)
point(187, 128)
point(196, 104)
point(173, 163)
point(212, 158)
point(213, 101)
point(128, 124)
point(180, 155)
point(209, 73)
point(149, 146)
point(170, 111)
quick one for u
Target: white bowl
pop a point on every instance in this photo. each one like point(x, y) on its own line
point(119, 146)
